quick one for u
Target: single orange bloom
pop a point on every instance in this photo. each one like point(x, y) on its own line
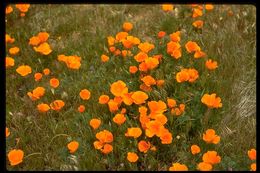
point(43, 107)
point(172, 46)
point(98, 145)
point(156, 108)
point(175, 37)
point(43, 36)
point(141, 56)
point(23, 7)
point(211, 65)
point(54, 82)
point(253, 167)
point(178, 167)
point(139, 97)
point(43, 48)
point(84, 94)
point(7, 132)
point(113, 106)
point(143, 67)
point(123, 110)
point(182, 107)
point(199, 54)
point(118, 88)
point(193, 74)
point(161, 34)
point(103, 99)
point(144, 146)
point(211, 137)
point(104, 58)
point(14, 50)
point(145, 87)
point(9, 39)
point(119, 119)
point(9, 62)
point(209, 7)
point(81, 108)
point(95, 123)
point(127, 26)
point(36, 93)
point(149, 80)
point(73, 146)
point(24, 70)
point(182, 76)
point(197, 12)
point(192, 46)
point(165, 136)
point(132, 157)
point(211, 100)
point(195, 149)
point(73, 62)
point(107, 149)
point(57, 105)
point(37, 76)
point(176, 111)
point(110, 41)
point(151, 62)
point(105, 136)
point(153, 128)
point(176, 54)
point(117, 52)
point(118, 100)
point(34, 41)
point(203, 166)
point(124, 53)
point(8, 9)
point(252, 154)
point(146, 47)
point(134, 132)
point(171, 103)
point(198, 24)
point(211, 157)
point(112, 49)
point(15, 157)
point(167, 7)
point(160, 83)
point(133, 69)
point(46, 71)
point(121, 35)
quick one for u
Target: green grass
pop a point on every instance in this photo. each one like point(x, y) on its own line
point(82, 30)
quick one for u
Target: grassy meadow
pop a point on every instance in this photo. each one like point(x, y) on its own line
point(228, 36)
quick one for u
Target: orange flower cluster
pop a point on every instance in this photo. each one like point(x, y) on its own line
point(40, 43)
point(190, 75)
point(192, 46)
point(175, 110)
point(37, 93)
point(174, 47)
point(209, 159)
point(23, 8)
point(72, 62)
point(104, 138)
point(211, 100)
point(8, 38)
point(252, 156)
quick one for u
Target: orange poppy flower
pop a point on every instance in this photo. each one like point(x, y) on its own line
point(9, 62)
point(110, 41)
point(37, 76)
point(139, 97)
point(165, 136)
point(198, 24)
point(95, 123)
point(123, 110)
point(81, 108)
point(192, 46)
point(148, 80)
point(156, 108)
point(133, 69)
point(43, 36)
point(182, 107)
point(121, 35)
point(252, 154)
point(161, 34)
point(211, 100)
point(54, 82)
point(151, 62)
point(9, 39)
point(8, 9)
point(178, 167)
point(107, 148)
point(113, 105)
point(118, 88)
point(117, 52)
point(98, 145)
point(211, 157)
point(211, 65)
point(253, 167)
point(172, 46)
point(46, 71)
point(132, 157)
point(15, 157)
point(160, 83)
point(199, 54)
point(14, 50)
point(43, 107)
point(144, 146)
point(134, 132)
point(36, 93)
point(211, 137)
point(145, 87)
point(73, 62)
point(119, 119)
point(57, 105)
point(209, 7)
point(193, 74)
point(7, 132)
point(176, 111)
point(143, 67)
point(146, 47)
point(43, 48)
point(34, 41)
point(104, 58)
point(73, 146)
point(167, 7)
point(175, 37)
point(171, 103)
point(197, 12)
point(153, 128)
point(141, 56)
point(105, 136)
point(195, 149)
point(103, 99)
point(84, 94)
point(112, 49)
point(202, 166)
point(182, 76)
point(127, 26)
point(23, 7)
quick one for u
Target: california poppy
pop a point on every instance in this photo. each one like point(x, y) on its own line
point(15, 157)
point(252, 154)
point(211, 137)
point(95, 123)
point(211, 100)
point(211, 157)
point(85, 94)
point(127, 26)
point(54, 82)
point(73, 146)
point(14, 50)
point(178, 167)
point(167, 7)
point(195, 149)
point(57, 105)
point(119, 119)
point(203, 166)
point(9, 62)
point(132, 157)
point(43, 107)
